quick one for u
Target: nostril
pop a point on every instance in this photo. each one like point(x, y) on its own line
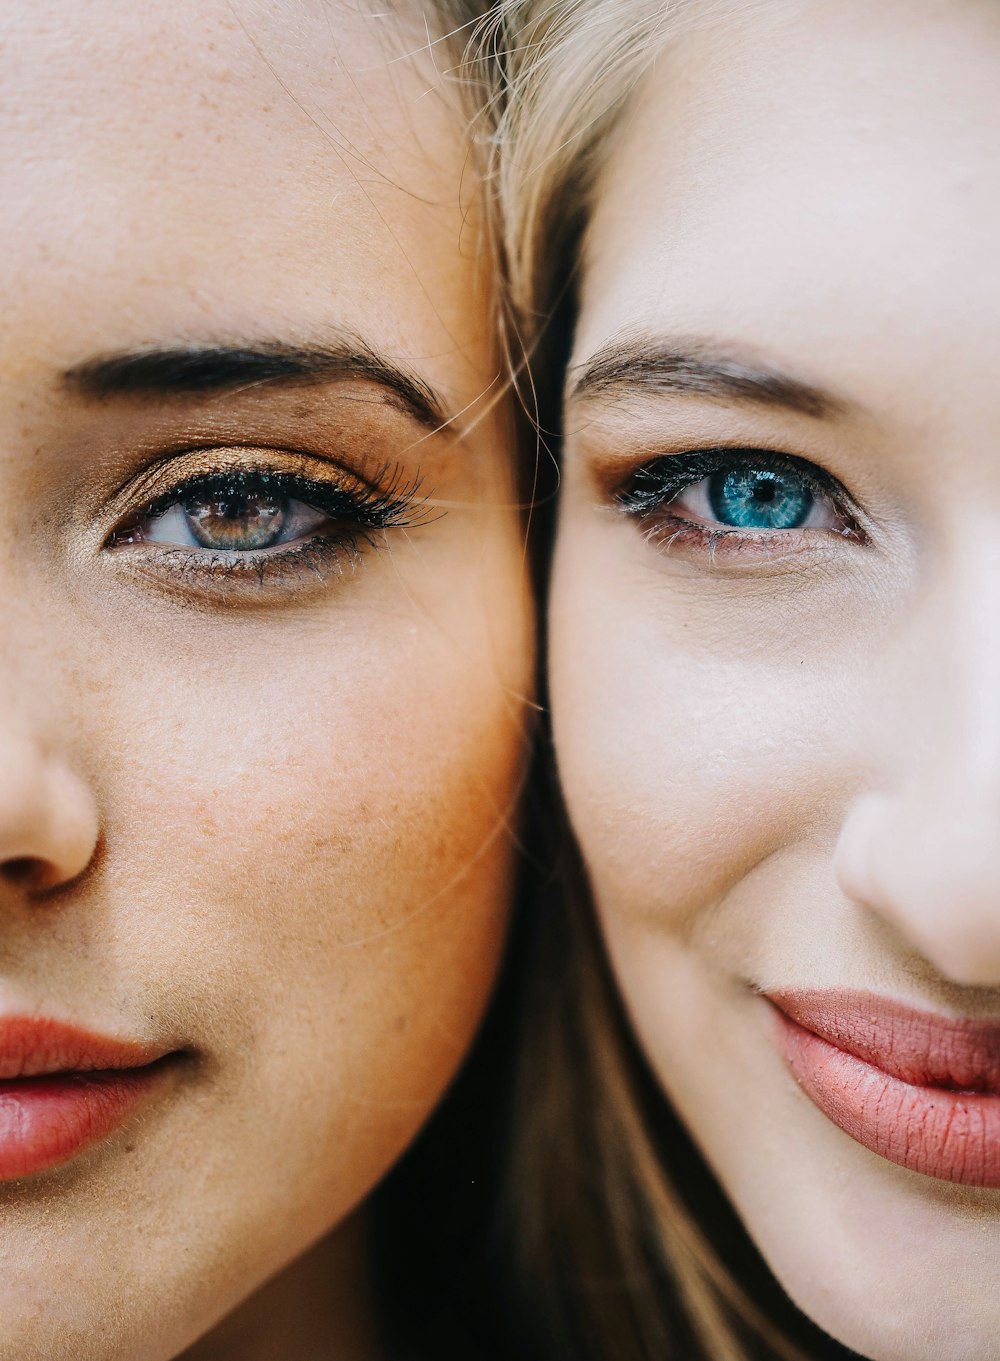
point(48, 819)
point(26, 872)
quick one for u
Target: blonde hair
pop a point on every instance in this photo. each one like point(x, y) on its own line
point(622, 1244)
point(568, 68)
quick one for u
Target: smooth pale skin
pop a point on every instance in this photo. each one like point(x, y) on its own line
point(273, 820)
point(785, 769)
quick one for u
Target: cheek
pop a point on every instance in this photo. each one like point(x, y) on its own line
point(310, 820)
point(310, 779)
point(306, 877)
point(694, 743)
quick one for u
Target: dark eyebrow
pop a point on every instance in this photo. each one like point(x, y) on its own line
point(635, 365)
point(158, 374)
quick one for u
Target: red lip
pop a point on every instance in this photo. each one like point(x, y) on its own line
point(62, 1089)
point(920, 1089)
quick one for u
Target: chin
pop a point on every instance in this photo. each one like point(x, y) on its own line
point(895, 1265)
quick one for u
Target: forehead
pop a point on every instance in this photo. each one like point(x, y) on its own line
point(800, 167)
point(219, 165)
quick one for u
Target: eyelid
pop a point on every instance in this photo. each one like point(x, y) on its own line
point(289, 485)
point(687, 466)
point(184, 465)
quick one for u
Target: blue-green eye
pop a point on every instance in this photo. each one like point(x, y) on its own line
point(760, 498)
point(753, 493)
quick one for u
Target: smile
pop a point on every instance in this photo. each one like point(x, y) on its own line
point(919, 1089)
point(63, 1089)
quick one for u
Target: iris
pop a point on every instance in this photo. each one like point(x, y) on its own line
point(241, 521)
point(759, 498)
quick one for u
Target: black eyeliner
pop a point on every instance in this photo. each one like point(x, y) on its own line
point(371, 507)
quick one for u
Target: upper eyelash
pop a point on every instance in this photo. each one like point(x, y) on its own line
point(674, 472)
point(396, 503)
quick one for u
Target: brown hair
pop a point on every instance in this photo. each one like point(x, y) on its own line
point(618, 1245)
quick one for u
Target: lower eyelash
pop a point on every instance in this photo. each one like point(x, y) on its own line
point(668, 532)
point(324, 555)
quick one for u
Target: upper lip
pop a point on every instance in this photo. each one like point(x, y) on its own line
point(922, 1048)
point(32, 1046)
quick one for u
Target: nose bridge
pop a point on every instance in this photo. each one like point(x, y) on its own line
point(922, 846)
point(20, 692)
point(27, 676)
point(951, 738)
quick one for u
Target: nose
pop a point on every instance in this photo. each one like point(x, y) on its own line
point(922, 848)
point(929, 864)
point(48, 815)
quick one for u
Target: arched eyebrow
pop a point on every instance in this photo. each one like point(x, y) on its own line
point(636, 366)
point(191, 371)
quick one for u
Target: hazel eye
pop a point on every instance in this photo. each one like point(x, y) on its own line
point(262, 525)
point(231, 519)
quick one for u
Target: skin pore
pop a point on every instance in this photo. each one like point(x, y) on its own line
point(775, 653)
point(265, 649)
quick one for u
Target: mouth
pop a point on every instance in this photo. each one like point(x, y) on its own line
point(63, 1089)
point(919, 1089)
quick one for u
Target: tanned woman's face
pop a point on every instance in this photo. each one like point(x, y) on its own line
point(265, 643)
point(776, 638)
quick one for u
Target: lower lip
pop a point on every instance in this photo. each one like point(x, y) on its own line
point(953, 1136)
point(47, 1121)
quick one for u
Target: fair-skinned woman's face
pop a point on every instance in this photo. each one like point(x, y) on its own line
point(265, 640)
point(776, 648)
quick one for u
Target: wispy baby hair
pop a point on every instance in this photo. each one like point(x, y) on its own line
point(568, 69)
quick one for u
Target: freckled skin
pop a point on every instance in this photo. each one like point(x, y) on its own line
point(277, 826)
point(785, 771)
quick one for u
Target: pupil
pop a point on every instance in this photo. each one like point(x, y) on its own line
point(240, 521)
point(759, 498)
